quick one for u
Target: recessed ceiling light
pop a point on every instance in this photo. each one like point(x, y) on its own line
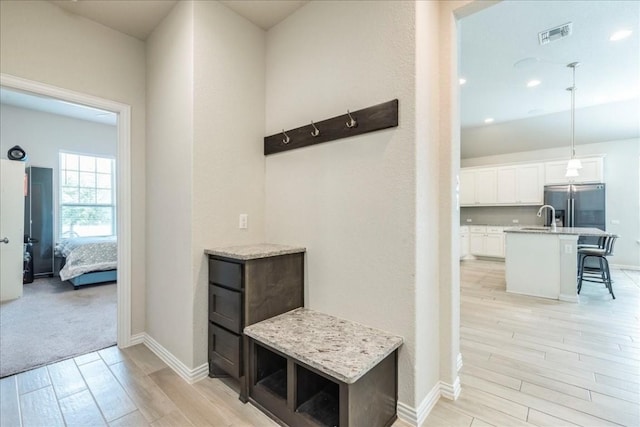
point(488, 120)
point(462, 80)
point(533, 83)
point(619, 35)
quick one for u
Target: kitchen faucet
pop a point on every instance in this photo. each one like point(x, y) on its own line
point(553, 215)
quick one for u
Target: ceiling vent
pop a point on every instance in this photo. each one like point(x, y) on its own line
point(555, 33)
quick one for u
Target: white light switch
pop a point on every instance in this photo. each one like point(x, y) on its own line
point(615, 221)
point(243, 221)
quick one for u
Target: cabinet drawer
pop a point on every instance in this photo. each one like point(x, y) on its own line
point(495, 229)
point(225, 350)
point(478, 229)
point(225, 308)
point(225, 273)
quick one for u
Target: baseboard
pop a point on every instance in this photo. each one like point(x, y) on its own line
point(625, 267)
point(416, 417)
point(568, 298)
point(189, 375)
point(459, 362)
point(136, 339)
point(450, 391)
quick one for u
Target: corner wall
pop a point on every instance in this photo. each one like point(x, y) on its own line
point(169, 172)
point(41, 42)
point(228, 159)
point(205, 68)
point(351, 202)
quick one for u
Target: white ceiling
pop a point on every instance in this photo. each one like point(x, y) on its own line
point(55, 106)
point(500, 54)
point(138, 18)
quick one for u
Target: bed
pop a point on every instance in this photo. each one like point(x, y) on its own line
point(88, 260)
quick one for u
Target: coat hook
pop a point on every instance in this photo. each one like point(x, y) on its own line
point(352, 122)
point(316, 131)
point(286, 139)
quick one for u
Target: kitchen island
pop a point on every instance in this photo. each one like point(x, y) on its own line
point(543, 262)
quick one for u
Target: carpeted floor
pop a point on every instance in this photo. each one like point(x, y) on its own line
point(53, 322)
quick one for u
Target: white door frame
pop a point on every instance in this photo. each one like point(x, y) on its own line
point(123, 185)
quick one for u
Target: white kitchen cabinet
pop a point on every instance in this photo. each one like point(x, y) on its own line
point(506, 192)
point(486, 241)
point(530, 184)
point(478, 186)
point(464, 242)
point(467, 187)
point(506, 185)
point(486, 186)
point(592, 171)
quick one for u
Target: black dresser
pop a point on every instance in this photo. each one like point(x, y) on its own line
point(248, 284)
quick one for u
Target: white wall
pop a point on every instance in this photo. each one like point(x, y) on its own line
point(622, 177)
point(228, 159)
point(169, 167)
point(204, 156)
point(44, 135)
point(41, 42)
point(352, 202)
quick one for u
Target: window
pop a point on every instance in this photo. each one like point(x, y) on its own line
point(87, 195)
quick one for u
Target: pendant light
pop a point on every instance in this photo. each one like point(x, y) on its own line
point(574, 164)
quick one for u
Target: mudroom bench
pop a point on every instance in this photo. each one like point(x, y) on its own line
point(306, 368)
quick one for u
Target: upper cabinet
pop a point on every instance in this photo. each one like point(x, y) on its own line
point(520, 184)
point(508, 185)
point(478, 186)
point(592, 171)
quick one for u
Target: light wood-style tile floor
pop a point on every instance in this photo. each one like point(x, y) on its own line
point(534, 361)
point(527, 361)
point(120, 388)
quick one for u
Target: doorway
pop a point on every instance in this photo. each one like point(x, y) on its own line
point(122, 186)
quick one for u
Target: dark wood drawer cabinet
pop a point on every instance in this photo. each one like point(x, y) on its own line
point(225, 350)
point(225, 308)
point(248, 284)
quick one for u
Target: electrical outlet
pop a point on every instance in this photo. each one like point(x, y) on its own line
point(243, 222)
point(615, 221)
point(468, 219)
point(515, 221)
point(568, 249)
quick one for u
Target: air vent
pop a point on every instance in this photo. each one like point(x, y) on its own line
point(555, 33)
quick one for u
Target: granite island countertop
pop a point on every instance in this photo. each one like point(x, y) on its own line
point(579, 231)
point(261, 250)
point(340, 348)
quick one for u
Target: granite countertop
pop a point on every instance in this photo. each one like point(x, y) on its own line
point(580, 231)
point(261, 250)
point(340, 348)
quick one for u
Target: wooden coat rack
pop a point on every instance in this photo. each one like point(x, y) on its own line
point(381, 116)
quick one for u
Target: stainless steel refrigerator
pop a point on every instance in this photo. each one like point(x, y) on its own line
point(577, 205)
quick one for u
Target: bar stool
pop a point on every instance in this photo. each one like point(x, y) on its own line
point(599, 274)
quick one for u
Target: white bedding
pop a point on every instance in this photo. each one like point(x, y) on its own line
point(87, 254)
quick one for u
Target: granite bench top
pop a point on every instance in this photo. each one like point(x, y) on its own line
point(261, 250)
point(340, 348)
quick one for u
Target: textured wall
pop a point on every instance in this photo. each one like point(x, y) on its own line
point(228, 159)
point(351, 202)
point(169, 174)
